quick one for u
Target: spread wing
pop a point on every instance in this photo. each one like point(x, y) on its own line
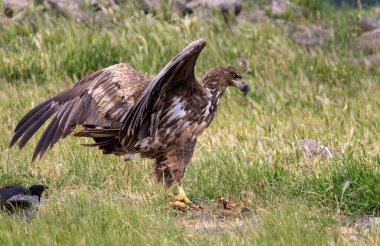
point(178, 72)
point(100, 99)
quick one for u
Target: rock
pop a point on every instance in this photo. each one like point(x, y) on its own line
point(244, 211)
point(369, 40)
point(309, 35)
point(67, 8)
point(151, 4)
point(367, 221)
point(201, 216)
point(370, 62)
point(305, 39)
point(285, 25)
point(255, 15)
point(204, 8)
point(79, 9)
point(368, 24)
point(14, 7)
point(279, 8)
point(312, 147)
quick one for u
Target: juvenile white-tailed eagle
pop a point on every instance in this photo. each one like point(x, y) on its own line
point(126, 114)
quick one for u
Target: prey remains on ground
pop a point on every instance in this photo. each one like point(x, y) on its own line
point(128, 115)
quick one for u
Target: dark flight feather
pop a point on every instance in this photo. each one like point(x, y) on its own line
point(180, 68)
point(101, 98)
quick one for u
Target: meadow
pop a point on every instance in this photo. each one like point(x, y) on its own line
point(250, 154)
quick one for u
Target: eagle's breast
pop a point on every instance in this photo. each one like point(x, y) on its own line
point(181, 119)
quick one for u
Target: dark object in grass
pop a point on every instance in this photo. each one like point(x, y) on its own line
point(128, 115)
point(17, 199)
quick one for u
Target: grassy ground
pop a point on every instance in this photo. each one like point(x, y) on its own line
point(250, 154)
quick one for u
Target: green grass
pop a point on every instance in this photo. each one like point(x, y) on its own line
point(252, 145)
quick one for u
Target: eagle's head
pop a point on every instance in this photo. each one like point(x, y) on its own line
point(223, 77)
point(233, 78)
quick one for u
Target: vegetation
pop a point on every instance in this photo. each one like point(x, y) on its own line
point(250, 148)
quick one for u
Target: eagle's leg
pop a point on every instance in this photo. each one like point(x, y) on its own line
point(182, 201)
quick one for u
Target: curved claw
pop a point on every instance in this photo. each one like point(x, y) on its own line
point(183, 202)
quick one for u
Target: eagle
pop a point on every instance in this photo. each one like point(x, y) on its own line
point(128, 115)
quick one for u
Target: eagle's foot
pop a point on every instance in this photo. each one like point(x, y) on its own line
point(183, 203)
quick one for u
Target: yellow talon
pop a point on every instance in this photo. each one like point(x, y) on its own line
point(183, 202)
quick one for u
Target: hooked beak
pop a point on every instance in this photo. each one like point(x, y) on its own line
point(242, 85)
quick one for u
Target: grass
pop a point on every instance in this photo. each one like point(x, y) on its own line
point(252, 145)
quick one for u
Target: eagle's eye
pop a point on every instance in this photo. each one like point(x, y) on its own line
point(236, 76)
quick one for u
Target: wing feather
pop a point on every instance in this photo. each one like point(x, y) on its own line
point(98, 99)
point(179, 70)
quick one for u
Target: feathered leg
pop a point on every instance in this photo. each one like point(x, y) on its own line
point(171, 167)
point(181, 200)
point(167, 172)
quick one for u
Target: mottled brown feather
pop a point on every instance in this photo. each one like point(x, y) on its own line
point(178, 72)
point(101, 98)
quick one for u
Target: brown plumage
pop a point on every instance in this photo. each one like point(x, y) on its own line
point(128, 115)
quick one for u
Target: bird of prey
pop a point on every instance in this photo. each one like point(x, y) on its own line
point(22, 199)
point(128, 115)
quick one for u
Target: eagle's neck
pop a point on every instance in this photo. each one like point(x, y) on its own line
point(214, 92)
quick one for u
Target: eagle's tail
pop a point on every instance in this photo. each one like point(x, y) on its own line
point(106, 139)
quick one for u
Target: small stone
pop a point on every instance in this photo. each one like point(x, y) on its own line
point(255, 16)
point(367, 221)
point(244, 210)
point(309, 35)
point(368, 24)
point(369, 62)
point(279, 8)
point(304, 39)
point(201, 216)
point(204, 8)
point(13, 7)
point(312, 147)
point(369, 40)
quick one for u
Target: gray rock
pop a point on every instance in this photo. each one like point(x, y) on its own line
point(255, 15)
point(279, 8)
point(369, 62)
point(285, 25)
point(79, 9)
point(368, 24)
point(369, 40)
point(309, 35)
point(204, 8)
point(67, 8)
point(312, 147)
point(201, 216)
point(305, 39)
point(14, 7)
point(367, 221)
point(151, 4)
